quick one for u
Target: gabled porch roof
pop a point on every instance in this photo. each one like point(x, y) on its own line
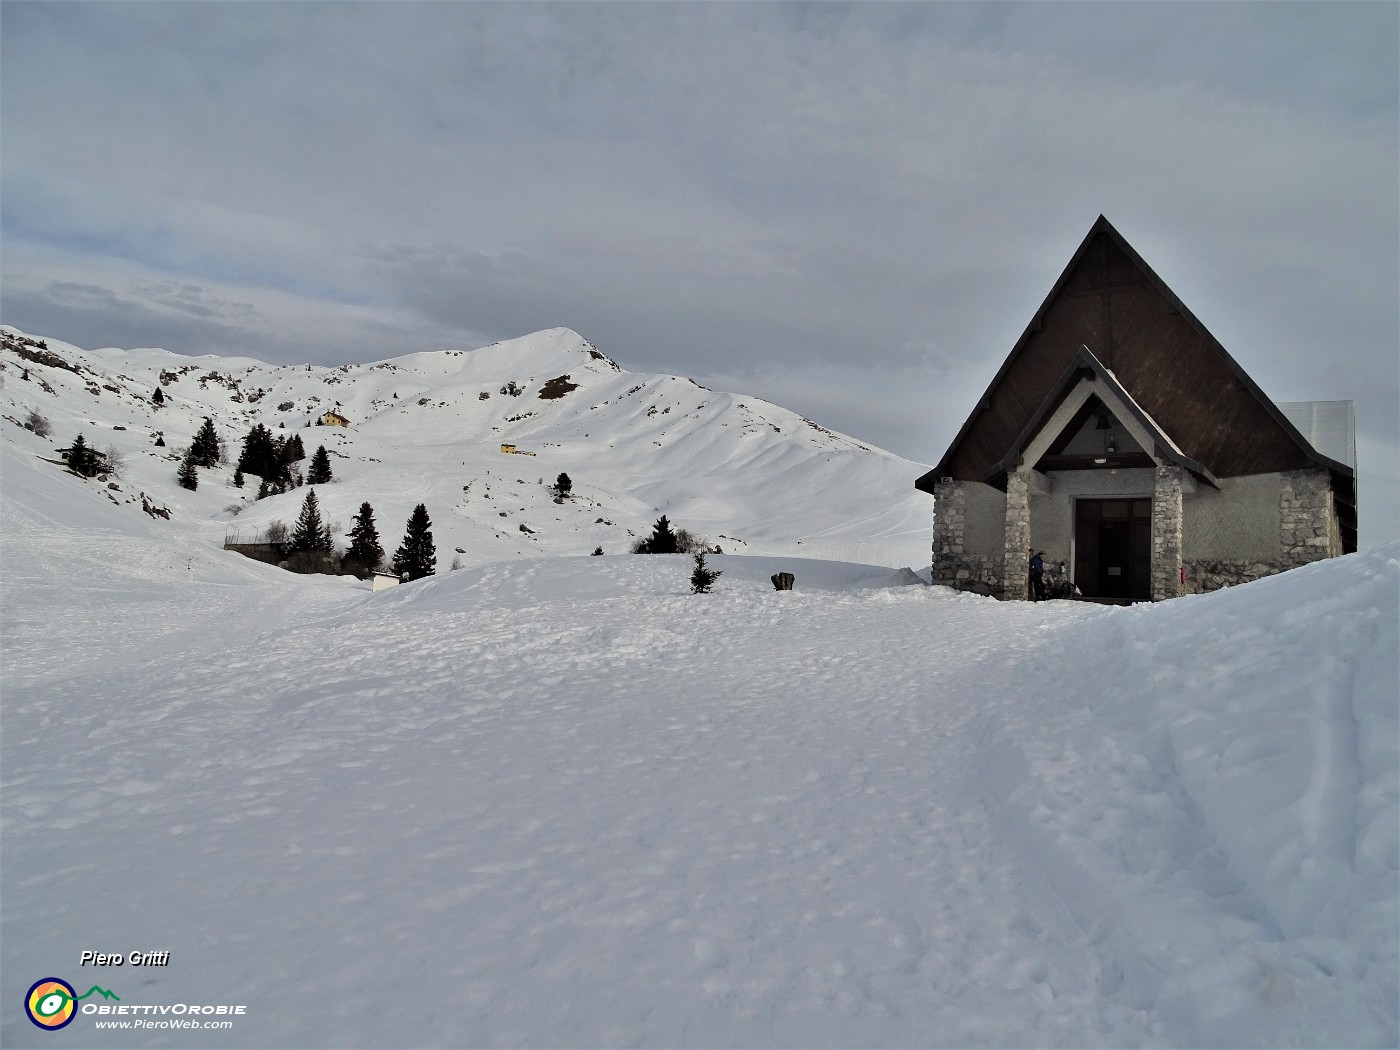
point(1085, 368)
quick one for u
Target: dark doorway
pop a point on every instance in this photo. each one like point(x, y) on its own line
point(1113, 548)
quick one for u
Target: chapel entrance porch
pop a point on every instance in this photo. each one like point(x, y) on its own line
point(1113, 548)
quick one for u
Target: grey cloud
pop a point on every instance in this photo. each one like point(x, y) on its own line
point(745, 190)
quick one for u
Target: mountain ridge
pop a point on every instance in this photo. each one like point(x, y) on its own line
point(429, 427)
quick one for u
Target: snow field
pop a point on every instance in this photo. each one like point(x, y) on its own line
point(545, 811)
point(500, 812)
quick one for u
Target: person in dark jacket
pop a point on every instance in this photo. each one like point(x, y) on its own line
point(1037, 574)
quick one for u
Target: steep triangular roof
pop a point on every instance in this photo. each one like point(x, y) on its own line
point(1085, 367)
point(1110, 301)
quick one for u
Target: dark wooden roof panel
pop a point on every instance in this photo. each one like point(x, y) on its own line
point(1110, 301)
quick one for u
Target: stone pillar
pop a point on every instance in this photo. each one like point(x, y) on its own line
point(1166, 532)
point(1016, 570)
point(1307, 518)
point(949, 530)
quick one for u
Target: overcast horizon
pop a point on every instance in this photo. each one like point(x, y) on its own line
point(850, 210)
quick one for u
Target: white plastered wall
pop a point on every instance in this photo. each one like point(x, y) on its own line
point(1238, 522)
point(986, 520)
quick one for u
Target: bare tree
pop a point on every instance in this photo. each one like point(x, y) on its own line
point(277, 532)
point(37, 423)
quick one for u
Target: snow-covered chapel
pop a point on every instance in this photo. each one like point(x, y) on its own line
point(1120, 438)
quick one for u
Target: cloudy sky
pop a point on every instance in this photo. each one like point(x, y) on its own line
point(851, 210)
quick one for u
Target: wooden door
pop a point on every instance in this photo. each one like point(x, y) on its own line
point(1113, 548)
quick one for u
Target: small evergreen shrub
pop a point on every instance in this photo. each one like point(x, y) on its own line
point(188, 474)
point(702, 578)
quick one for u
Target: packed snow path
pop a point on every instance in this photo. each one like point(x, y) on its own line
point(566, 803)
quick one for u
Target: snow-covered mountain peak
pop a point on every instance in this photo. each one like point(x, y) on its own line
point(480, 436)
point(541, 352)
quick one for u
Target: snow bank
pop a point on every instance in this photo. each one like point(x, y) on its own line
point(1208, 791)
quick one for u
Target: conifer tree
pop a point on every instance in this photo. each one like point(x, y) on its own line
point(82, 460)
point(310, 532)
point(259, 455)
point(319, 472)
point(417, 555)
point(238, 479)
point(661, 541)
point(158, 398)
point(292, 450)
point(702, 578)
point(563, 485)
point(365, 550)
point(204, 449)
point(279, 478)
point(188, 475)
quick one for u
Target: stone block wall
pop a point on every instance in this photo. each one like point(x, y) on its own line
point(1016, 570)
point(269, 553)
point(1308, 528)
point(1205, 574)
point(1166, 531)
point(954, 565)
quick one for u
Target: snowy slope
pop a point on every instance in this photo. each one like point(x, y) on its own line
point(746, 474)
point(563, 802)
